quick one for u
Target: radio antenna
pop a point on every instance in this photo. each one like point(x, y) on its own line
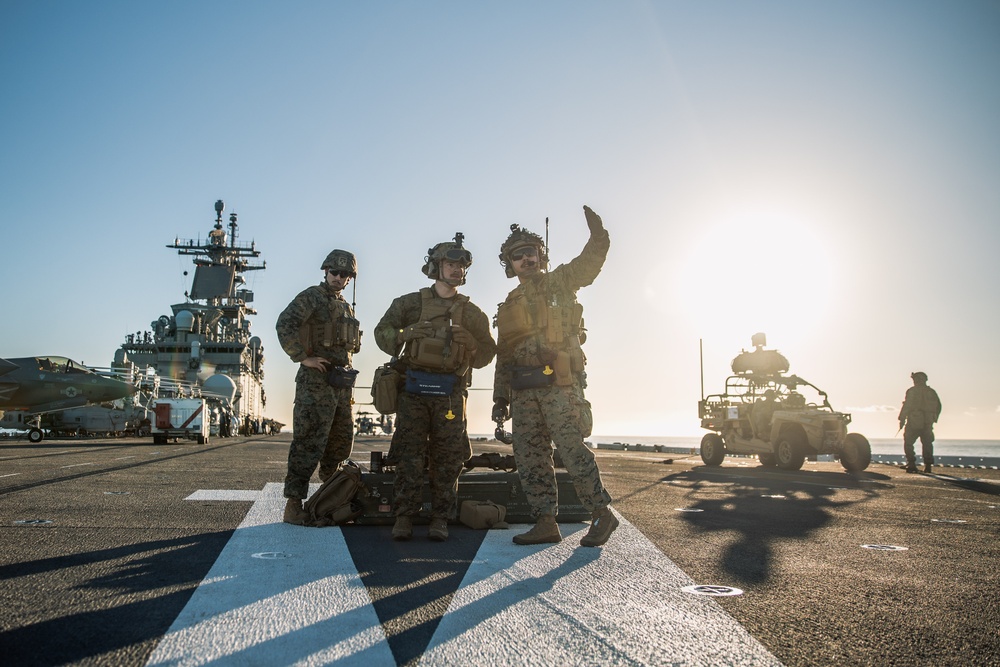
point(547, 254)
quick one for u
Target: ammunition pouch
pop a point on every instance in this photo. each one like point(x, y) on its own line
point(563, 322)
point(341, 377)
point(531, 377)
point(423, 383)
point(345, 333)
point(514, 321)
point(385, 389)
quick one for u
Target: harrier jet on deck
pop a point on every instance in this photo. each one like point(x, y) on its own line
point(37, 385)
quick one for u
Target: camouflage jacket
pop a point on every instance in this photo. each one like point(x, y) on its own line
point(558, 287)
point(316, 308)
point(921, 406)
point(405, 310)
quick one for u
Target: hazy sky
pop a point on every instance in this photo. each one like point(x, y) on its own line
point(826, 173)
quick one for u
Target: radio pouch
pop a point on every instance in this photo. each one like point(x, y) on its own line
point(341, 377)
point(385, 389)
point(531, 377)
point(423, 383)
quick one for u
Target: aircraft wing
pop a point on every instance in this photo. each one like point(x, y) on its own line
point(56, 406)
point(7, 367)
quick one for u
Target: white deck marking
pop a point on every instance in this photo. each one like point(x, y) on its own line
point(231, 494)
point(301, 602)
point(310, 608)
point(561, 604)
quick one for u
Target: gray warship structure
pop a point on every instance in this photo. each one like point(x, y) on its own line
point(205, 344)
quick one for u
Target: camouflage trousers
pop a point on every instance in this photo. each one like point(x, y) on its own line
point(553, 415)
point(322, 430)
point(426, 439)
point(926, 436)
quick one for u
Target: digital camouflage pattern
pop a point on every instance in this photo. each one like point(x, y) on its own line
point(546, 416)
point(551, 415)
point(424, 433)
point(323, 425)
point(560, 285)
point(427, 441)
point(316, 306)
point(323, 431)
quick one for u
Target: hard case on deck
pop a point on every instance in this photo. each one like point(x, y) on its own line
point(503, 488)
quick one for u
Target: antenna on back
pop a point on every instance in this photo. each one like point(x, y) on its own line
point(547, 253)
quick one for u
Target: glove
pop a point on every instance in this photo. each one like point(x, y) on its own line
point(461, 335)
point(593, 220)
point(418, 330)
point(500, 413)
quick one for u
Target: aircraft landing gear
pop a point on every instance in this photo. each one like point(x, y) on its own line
point(35, 435)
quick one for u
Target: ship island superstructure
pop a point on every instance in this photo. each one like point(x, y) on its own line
point(206, 342)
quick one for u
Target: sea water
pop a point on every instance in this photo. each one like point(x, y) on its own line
point(971, 448)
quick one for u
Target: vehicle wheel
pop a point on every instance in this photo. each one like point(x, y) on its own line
point(855, 453)
point(713, 449)
point(35, 435)
point(202, 440)
point(159, 439)
point(766, 460)
point(789, 454)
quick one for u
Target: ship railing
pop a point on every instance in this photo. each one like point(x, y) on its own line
point(127, 374)
point(171, 388)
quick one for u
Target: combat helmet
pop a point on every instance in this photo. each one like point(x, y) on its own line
point(452, 251)
point(341, 260)
point(919, 376)
point(519, 238)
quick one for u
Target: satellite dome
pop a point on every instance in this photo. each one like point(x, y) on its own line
point(184, 320)
point(221, 386)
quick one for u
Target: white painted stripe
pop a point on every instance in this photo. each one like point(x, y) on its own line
point(309, 608)
point(231, 494)
point(564, 604)
point(13, 474)
point(284, 595)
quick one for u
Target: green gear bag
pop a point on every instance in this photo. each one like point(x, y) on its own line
point(337, 500)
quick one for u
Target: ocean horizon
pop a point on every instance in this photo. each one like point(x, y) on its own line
point(942, 447)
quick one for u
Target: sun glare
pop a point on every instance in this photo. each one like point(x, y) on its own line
point(760, 272)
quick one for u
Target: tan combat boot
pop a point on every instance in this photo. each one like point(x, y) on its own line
point(403, 528)
point(601, 527)
point(544, 531)
point(294, 513)
point(438, 530)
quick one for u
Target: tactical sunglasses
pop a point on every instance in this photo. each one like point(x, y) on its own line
point(521, 253)
point(341, 274)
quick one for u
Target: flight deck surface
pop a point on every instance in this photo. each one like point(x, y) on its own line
point(128, 553)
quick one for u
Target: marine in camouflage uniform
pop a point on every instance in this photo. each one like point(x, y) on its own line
point(318, 330)
point(538, 349)
point(441, 332)
point(921, 409)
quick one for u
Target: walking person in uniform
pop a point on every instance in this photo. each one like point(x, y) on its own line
point(540, 379)
point(921, 409)
point(318, 330)
point(443, 336)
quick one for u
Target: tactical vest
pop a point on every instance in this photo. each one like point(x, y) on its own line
point(555, 321)
point(344, 331)
point(439, 353)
